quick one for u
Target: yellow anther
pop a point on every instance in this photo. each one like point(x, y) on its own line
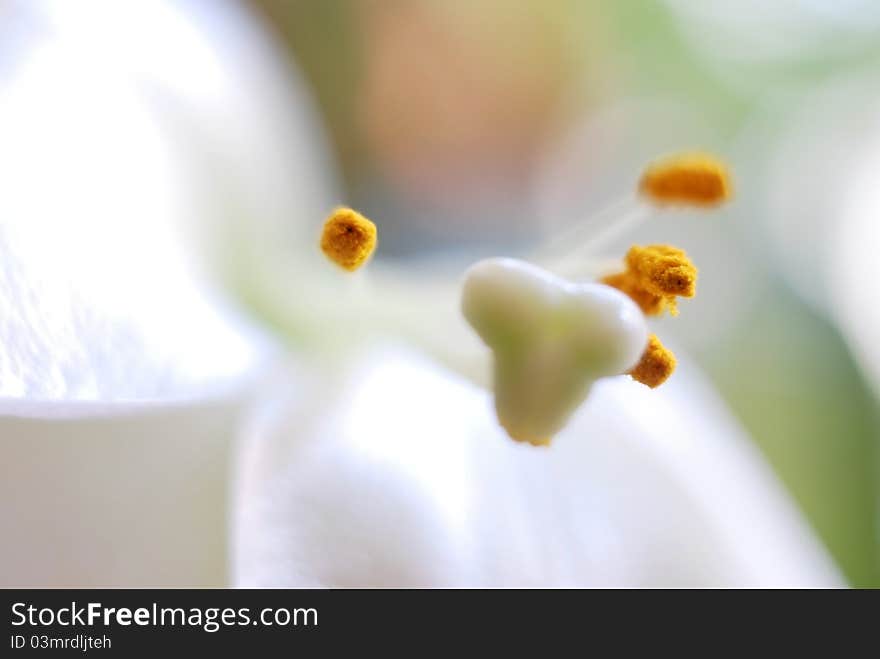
point(655, 275)
point(655, 366)
point(663, 269)
point(348, 238)
point(650, 304)
point(689, 179)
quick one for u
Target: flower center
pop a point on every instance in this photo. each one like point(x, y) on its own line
point(552, 338)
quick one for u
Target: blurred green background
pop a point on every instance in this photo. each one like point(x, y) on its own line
point(486, 123)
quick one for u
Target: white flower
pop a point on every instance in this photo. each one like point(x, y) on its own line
point(396, 473)
point(124, 378)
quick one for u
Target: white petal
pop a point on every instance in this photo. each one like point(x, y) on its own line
point(403, 478)
point(116, 495)
point(122, 377)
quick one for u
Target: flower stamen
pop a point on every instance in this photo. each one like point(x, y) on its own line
point(688, 179)
point(655, 366)
point(654, 276)
point(348, 238)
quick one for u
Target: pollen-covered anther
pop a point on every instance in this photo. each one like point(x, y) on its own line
point(663, 269)
point(655, 366)
point(689, 179)
point(348, 238)
point(654, 277)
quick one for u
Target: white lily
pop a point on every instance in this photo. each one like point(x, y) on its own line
point(123, 382)
point(399, 475)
